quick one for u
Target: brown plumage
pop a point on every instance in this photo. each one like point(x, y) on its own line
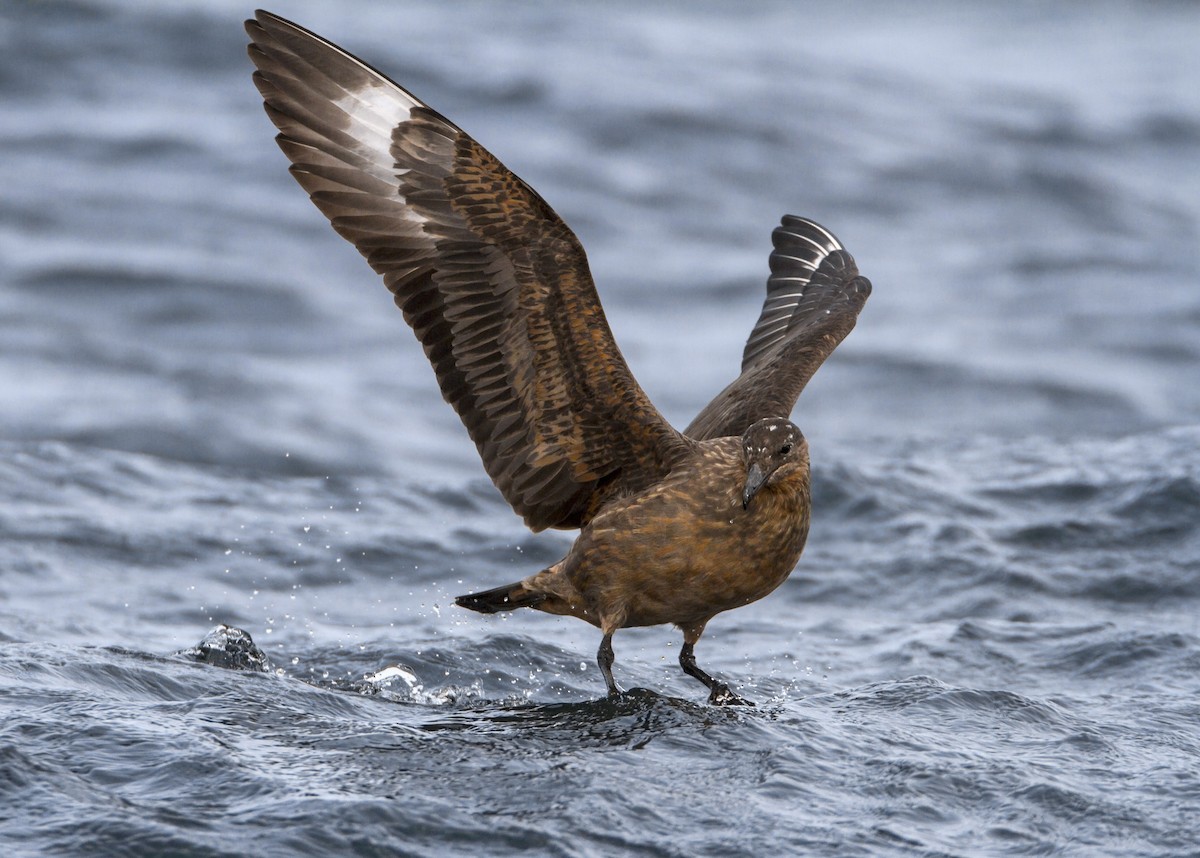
point(675, 527)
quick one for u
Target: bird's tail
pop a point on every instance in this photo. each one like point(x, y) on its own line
point(506, 598)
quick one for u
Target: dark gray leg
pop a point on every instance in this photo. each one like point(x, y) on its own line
point(687, 660)
point(605, 658)
point(719, 692)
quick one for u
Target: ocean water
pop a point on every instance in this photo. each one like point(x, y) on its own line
point(212, 419)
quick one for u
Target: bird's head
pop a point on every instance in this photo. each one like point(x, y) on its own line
point(774, 450)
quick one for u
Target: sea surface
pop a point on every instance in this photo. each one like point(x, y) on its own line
point(214, 424)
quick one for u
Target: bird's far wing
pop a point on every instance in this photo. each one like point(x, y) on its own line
point(495, 285)
point(814, 296)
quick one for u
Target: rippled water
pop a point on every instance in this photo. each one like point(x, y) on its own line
point(211, 413)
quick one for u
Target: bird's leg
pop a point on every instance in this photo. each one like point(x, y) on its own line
point(605, 658)
point(719, 693)
point(687, 660)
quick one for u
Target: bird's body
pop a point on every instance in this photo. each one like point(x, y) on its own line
point(683, 550)
point(674, 527)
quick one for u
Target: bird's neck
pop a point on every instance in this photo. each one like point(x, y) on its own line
point(790, 496)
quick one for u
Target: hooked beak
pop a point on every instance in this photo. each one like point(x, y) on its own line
point(755, 478)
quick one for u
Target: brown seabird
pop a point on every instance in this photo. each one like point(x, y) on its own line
point(675, 527)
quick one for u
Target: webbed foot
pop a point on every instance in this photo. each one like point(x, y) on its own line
point(721, 695)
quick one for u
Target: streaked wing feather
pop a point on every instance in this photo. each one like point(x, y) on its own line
point(495, 285)
point(814, 296)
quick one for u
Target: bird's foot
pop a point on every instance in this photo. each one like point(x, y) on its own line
point(721, 695)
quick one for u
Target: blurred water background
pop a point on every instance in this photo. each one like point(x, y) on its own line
point(210, 412)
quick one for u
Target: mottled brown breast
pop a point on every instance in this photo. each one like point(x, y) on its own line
point(685, 549)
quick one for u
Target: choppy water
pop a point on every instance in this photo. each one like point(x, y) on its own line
point(211, 413)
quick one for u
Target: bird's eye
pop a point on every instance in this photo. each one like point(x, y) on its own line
point(785, 449)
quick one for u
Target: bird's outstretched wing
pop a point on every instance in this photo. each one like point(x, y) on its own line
point(495, 285)
point(814, 295)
